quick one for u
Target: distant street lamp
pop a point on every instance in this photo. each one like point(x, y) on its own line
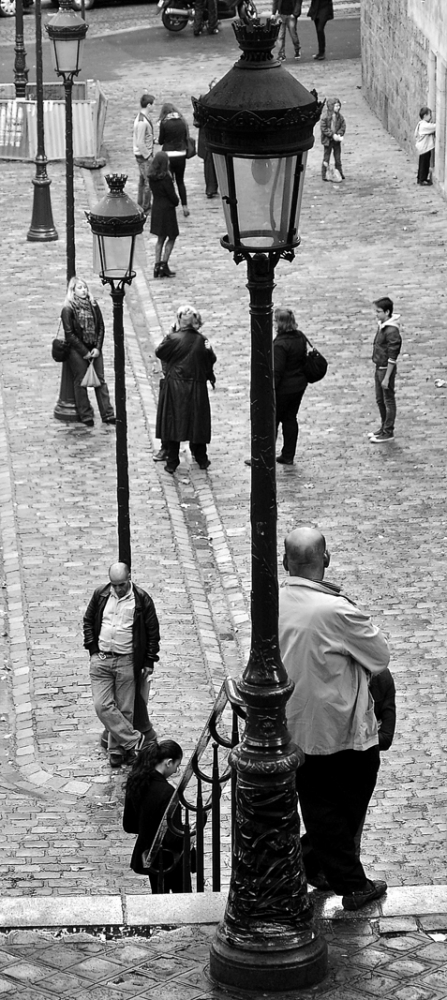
point(20, 70)
point(258, 122)
point(67, 31)
point(116, 221)
point(42, 229)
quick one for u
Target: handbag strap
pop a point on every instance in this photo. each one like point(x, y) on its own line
point(308, 341)
point(60, 321)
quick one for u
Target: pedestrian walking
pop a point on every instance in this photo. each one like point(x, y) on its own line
point(209, 170)
point(288, 11)
point(386, 350)
point(333, 128)
point(143, 147)
point(173, 138)
point(122, 635)
point(183, 412)
point(148, 794)
point(329, 649)
point(289, 359)
point(210, 7)
point(424, 135)
point(164, 223)
point(321, 11)
point(383, 693)
point(83, 325)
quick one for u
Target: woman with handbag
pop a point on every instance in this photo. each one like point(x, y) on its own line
point(148, 794)
point(289, 359)
point(173, 138)
point(84, 332)
point(164, 217)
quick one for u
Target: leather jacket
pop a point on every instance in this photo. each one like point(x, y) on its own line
point(145, 630)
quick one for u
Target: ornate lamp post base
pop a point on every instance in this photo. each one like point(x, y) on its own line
point(65, 408)
point(254, 968)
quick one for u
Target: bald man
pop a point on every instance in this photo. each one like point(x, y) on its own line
point(330, 650)
point(122, 635)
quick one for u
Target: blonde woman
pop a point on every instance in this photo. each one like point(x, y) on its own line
point(84, 330)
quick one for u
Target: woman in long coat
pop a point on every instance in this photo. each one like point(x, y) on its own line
point(164, 218)
point(321, 11)
point(183, 407)
point(289, 354)
point(84, 330)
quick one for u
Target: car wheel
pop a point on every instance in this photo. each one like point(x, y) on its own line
point(175, 22)
point(7, 8)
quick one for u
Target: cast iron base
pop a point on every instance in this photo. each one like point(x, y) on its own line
point(256, 967)
point(66, 411)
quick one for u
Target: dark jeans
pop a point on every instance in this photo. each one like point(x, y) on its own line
point(334, 793)
point(177, 166)
point(85, 410)
point(209, 174)
point(144, 192)
point(386, 400)
point(321, 38)
point(335, 148)
point(287, 407)
point(199, 10)
point(424, 166)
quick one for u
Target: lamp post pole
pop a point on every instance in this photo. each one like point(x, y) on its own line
point(258, 123)
point(69, 175)
point(20, 70)
point(115, 223)
point(42, 227)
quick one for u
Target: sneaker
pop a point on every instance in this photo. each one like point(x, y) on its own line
point(374, 434)
point(355, 900)
point(298, 54)
point(282, 56)
point(381, 438)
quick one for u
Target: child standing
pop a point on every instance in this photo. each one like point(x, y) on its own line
point(386, 349)
point(333, 128)
point(424, 135)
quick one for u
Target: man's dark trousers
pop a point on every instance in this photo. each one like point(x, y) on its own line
point(334, 792)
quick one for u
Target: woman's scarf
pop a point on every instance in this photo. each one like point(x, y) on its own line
point(86, 319)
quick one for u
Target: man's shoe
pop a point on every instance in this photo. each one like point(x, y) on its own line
point(319, 57)
point(171, 467)
point(281, 56)
point(89, 423)
point(161, 455)
point(116, 758)
point(355, 900)
point(284, 461)
point(298, 54)
point(205, 464)
point(377, 433)
point(381, 438)
point(109, 420)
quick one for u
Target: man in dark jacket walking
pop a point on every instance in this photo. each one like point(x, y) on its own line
point(321, 11)
point(121, 633)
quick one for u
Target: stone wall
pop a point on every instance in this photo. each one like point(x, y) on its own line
point(404, 56)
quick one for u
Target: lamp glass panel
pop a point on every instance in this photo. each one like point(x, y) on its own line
point(113, 256)
point(264, 189)
point(67, 54)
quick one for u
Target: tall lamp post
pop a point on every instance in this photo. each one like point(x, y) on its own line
point(20, 70)
point(258, 123)
point(42, 229)
point(67, 31)
point(116, 221)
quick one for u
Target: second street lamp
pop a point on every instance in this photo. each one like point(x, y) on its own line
point(258, 123)
point(116, 221)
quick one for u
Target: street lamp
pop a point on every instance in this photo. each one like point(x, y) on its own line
point(116, 221)
point(20, 70)
point(67, 31)
point(258, 122)
point(42, 227)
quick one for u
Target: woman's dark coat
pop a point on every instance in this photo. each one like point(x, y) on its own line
point(144, 818)
point(321, 10)
point(183, 408)
point(289, 358)
point(74, 331)
point(163, 216)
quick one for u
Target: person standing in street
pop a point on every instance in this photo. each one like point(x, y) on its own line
point(288, 12)
point(333, 128)
point(386, 350)
point(183, 412)
point(424, 135)
point(173, 139)
point(289, 359)
point(164, 223)
point(212, 23)
point(330, 649)
point(143, 147)
point(84, 331)
point(321, 11)
point(122, 635)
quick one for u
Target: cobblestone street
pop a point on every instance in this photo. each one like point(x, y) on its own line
point(382, 510)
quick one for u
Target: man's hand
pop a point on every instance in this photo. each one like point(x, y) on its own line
point(146, 672)
point(94, 353)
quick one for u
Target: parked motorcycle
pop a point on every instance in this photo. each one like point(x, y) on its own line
point(175, 14)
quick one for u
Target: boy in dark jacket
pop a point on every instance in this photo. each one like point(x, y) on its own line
point(386, 349)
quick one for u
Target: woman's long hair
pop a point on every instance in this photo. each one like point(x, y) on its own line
point(285, 321)
point(159, 167)
point(140, 776)
point(70, 298)
point(170, 109)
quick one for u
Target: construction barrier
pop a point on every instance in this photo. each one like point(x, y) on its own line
point(18, 122)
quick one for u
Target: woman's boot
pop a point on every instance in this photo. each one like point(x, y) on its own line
point(157, 270)
point(165, 271)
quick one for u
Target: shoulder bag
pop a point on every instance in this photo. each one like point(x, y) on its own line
point(190, 147)
point(315, 365)
point(60, 349)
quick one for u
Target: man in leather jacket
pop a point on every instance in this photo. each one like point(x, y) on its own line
point(121, 633)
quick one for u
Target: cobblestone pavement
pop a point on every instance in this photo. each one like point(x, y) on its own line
point(383, 511)
point(396, 959)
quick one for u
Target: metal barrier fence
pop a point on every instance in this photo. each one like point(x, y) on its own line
point(18, 122)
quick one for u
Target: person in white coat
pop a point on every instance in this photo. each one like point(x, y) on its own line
point(424, 135)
